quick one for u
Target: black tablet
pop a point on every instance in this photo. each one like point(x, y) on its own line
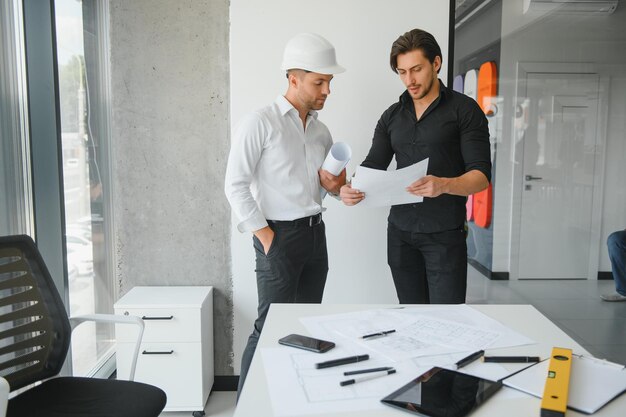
point(442, 393)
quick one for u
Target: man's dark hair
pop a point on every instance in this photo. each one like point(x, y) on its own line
point(415, 39)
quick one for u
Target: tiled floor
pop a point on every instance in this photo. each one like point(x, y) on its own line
point(574, 306)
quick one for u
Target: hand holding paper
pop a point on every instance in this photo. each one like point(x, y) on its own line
point(350, 196)
point(428, 186)
point(387, 188)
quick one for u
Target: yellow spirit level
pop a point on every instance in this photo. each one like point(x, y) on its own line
point(554, 402)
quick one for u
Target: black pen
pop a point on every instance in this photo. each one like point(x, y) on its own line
point(383, 333)
point(342, 361)
point(469, 359)
point(365, 371)
point(511, 359)
point(367, 377)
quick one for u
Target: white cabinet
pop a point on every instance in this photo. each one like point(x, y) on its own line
point(176, 352)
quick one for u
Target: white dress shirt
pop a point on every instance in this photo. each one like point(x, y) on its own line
point(273, 165)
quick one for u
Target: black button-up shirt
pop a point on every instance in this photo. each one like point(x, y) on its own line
point(453, 133)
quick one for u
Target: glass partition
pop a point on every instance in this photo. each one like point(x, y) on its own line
point(551, 78)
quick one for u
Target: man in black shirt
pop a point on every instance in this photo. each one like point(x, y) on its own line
point(426, 248)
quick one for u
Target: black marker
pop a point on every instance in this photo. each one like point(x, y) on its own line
point(366, 371)
point(469, 359)
point(342, 361)
point(511, 359)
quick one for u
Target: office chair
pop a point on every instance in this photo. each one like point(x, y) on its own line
point(34, 339)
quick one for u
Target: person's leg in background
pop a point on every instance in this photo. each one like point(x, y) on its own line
point(616, 244)
point(407, 267)
point(445, 260)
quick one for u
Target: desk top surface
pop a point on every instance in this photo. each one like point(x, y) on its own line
point(283, 319)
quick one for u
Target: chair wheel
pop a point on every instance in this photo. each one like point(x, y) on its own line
point(198, 414)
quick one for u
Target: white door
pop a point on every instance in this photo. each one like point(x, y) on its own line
point(558, 176)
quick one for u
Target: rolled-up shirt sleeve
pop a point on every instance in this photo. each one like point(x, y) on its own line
point(247, 146)
point(474, 132)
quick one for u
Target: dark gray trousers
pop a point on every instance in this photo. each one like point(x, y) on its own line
point(293, 271)
point(428, 268)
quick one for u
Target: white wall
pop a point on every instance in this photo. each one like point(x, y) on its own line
point(362, 32)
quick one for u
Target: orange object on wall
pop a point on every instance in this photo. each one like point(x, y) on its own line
point(487, 86)
point(483, 207)
point(469, 207)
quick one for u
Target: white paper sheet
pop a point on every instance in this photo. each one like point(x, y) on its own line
point(296, 387)
point(387, 188)
point(471, 318)
point(593, 382)
point(420, 331)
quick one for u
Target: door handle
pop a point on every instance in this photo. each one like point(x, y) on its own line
point(531, 178)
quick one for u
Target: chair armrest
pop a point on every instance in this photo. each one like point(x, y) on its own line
point(114, 318)
point(4, 396)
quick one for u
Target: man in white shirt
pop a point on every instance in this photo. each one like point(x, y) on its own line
point(274, 183)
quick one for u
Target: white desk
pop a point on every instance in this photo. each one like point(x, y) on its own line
point(283, 319)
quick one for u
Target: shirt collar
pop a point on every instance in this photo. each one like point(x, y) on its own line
point(285, 107)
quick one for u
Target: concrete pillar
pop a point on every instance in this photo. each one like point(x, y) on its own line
point(170, 140)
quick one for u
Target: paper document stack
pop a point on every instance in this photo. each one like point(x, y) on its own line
point(593, 382)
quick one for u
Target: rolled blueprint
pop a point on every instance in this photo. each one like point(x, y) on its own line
point(337, 159)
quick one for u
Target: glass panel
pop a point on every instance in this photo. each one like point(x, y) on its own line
point(84, 123)
point(556, 118)
point(16, 214)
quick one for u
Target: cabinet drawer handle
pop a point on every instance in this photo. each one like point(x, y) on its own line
point(157, 318)
point(145, 352)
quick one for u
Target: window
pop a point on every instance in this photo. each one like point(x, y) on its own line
point(16, 214)
point(83, 88)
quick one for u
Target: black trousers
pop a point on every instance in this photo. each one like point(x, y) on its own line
point(428, 268)
point(293, 271)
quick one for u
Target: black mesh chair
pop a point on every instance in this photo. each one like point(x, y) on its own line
point(34, 338)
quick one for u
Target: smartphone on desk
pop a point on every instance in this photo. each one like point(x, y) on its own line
point(307, 343)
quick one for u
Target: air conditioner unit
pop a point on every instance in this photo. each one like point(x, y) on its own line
point(571, 6)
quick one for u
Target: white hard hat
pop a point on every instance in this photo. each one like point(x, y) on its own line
point(311, 52)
